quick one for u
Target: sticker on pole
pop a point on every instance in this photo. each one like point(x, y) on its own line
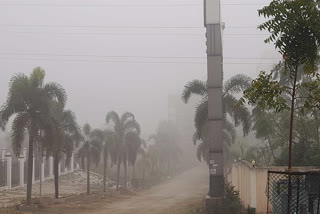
point(213, 171)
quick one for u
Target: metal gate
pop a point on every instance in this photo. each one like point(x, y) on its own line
point(296, 192)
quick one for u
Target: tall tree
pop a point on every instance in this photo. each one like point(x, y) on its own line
point(295, 32)
point(165, 149)
point(91, 148)
point(67, 135)
point(133, 143)
point(122, 125)
point(239, 114)
point(29, 100)
point(108, 145)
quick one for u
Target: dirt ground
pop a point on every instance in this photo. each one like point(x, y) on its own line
point(70, 184)
point(179, 195)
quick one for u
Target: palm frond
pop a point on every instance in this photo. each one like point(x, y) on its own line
point(17, 97)
point(37, 77)
point(239, 114)
point(86, 129)
point(126, 116)
point(201, 116)
point(19, 127)
point(196, 137)
point(132, 125)
point(229, 127)
point(237, 83)
point(113, 116)
point(56, 92)
point(196, 87)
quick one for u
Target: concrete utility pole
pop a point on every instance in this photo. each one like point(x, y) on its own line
point(214, 28)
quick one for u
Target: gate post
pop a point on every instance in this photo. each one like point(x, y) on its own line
point(8, 156)
point(25, 154)
point(33, 169)
point(50, 167)
point(3, 153)
point(21, 169)
point(72, 162)
point(42, 169)
point(253, 188)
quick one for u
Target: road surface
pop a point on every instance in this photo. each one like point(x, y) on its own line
point(177, 194)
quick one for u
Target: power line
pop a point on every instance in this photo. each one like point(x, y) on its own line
point(129, 62)
point(105, 61)
point(103, 56)
point(139, 34)
point(129, 5)
point(134, 56)
point(119, 26)
point(101, 26)
point(103, 5)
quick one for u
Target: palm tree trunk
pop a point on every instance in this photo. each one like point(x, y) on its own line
point(105, 170)
point(118, 173)
point(143, 175)
point(30, 166)
point(88, 175)
point(125, 175)
point(82, 163)
point(134, 171)
point(56, 176)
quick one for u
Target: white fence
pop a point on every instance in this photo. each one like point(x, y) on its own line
point(13, 171)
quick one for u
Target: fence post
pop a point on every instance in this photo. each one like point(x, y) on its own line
point(21, 169)
point(51, 167)
point(268, 190)
point(8, 156)
point(253, 188)
point(240, 180)
point(25, 154)
point(33, 170)
point(298, 193)
point(72, 162)
point(3, 153)
point(42, 168)
point(59, 168)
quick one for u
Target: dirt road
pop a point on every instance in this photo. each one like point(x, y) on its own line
point(176, 196)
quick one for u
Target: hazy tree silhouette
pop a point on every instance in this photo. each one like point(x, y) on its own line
point(29, 100)
point(91, 148)
point(122, 126)
point(240, 115)
point(66, 134)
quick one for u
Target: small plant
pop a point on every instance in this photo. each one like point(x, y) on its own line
point(200, 210)
point(232, 203)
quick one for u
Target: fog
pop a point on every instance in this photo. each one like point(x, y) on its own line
point(94, 84)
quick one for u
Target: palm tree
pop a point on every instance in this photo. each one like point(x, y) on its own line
point(146, 163)
point(165, 144)
point(67, 134)
point(239, 114)
point(122, 126)
point(29, 100)
point(133, 143)
point(91, 148)
point(108, 145)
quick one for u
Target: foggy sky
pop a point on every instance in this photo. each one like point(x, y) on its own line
point(94, 88)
